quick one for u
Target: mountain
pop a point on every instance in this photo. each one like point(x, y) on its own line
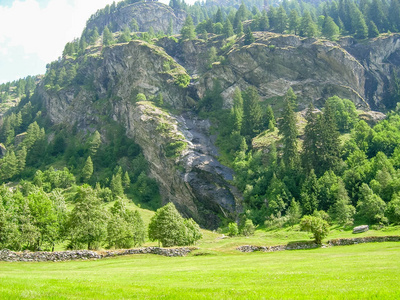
point(155, 90)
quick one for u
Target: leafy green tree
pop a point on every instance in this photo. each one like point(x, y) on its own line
point(370, 207)
point(87, 170)
point(392, 210)
point(188, 29)
point(193, 233)
point(167, 227)
point(317, 226)
point(342, 211)
point(233, 229)
point(87, 222)
point(249, 37)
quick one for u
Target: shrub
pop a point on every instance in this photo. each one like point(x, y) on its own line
point(317, 226)
point(233, 229)
point(248, 228)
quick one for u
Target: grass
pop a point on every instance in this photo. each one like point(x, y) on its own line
point(368, 271)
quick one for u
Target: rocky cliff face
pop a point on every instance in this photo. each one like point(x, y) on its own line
point(147, 14)
point(181, 156)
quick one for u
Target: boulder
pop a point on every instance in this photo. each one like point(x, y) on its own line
point(360, 229)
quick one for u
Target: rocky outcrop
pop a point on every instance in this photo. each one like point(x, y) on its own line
point(27, 256)
point(360, 229)
point(183, 160)
point(147, 14)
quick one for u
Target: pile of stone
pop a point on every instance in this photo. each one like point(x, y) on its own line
point(291, 246)
point(311, 245)
point(361, 240)
point(27, 256)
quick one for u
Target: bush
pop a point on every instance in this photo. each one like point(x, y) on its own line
point(393, 210)
point(248, 228)
point(317, 226)
point(233, 229)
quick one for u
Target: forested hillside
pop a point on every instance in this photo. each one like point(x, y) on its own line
point(231, 111)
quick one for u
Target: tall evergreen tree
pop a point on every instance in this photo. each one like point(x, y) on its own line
point(249, 37)
point(309, 194)
point(188, 29)
point(294, 21)
point(330, 30)
point(288, 129)
point(308, 27)
point(281, 20)
point(228, 29)
point(87, 170)
point(252, 112)
point(108, 37)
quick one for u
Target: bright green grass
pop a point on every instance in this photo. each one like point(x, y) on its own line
point(367, 271)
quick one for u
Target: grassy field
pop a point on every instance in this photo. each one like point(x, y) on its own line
point(368, 271)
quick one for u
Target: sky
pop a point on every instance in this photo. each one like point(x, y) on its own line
point(34, 32)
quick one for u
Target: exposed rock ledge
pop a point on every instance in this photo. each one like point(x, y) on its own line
point(27, 256)
point(311, 245)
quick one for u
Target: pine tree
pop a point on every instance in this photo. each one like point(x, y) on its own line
point(310, 150)
point(330, 30)
point(95, 143)
point(237, 110)
point(126, 181)
point(288, 130)
point(116, 185)
point(94, 36)
point(309, 194)
point(372, 30)
point(252, 112)
point(394, 15)
point(249, 38)
point(87, 170)
point(270, 121)
point(108, 37)
point(188, 29)
point(294, 21)
point(125, 36)
point(228, 29)
point(239, 29)
point(264, 22)
point(218, 16)
point(170, 27)
point(308, 27)
point(281, 20)
point(133, 25)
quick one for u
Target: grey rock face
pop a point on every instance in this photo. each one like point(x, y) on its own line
point(149, 14)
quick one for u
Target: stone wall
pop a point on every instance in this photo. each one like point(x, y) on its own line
point(27, 256)
point(311, 245)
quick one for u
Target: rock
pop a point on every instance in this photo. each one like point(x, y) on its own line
point(372, 117)
point(360, 229)
point(149, 14)
point(3, 150)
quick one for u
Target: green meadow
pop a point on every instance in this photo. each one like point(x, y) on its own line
point(364, 271)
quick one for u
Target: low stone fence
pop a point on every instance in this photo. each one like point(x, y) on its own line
point(311, 245)
point(27, 256)
point(360, 240)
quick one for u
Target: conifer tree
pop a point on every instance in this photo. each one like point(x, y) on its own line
point(108, 37)
point(288, 130)
point(87, 170)
point(264, 22)
point(330, 30)
point(372, 30)
point(309, 194)
point(308, 27)
point(133, 25)
point(228, 29)
point(249, 38)
point(188, 29)
point(237, 110)
point(125, 36)
point(281, 20)
point(270, 121)
point(116, 185)
point(252, 112)
point(239, 29)
point(294, 21)
point(126, 180)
